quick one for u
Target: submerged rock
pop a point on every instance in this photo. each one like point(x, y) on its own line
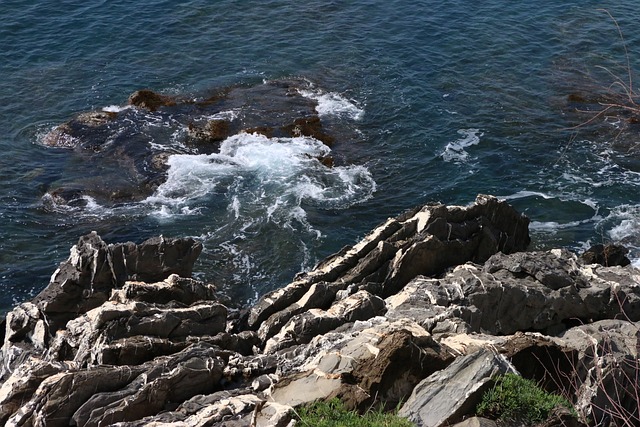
point(124, 150)
point(427, 309)
point(150, 100)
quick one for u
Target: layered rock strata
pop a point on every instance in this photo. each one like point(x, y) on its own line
point(427, 309)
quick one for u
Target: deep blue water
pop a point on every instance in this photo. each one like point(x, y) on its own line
point(442, 100)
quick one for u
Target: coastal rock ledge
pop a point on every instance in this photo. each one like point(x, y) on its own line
point(425, 311)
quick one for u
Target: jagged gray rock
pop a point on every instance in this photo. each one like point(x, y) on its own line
point(425, 294)
point(94, 268)
point(544, 291)
point(423, 241)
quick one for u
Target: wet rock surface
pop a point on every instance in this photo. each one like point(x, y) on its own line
point(124, 150)
point(427, 310)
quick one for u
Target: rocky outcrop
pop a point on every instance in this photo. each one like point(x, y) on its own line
point(427, 310)
point(129, 146)
point(85, 280)
point(424, 241)
point(150, 100)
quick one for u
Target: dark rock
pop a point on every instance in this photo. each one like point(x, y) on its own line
point(551, 270)
point(212, 132)
point(309, 126)
point(150, 100)
point(608, 255)
point(261, 130)
point(122, 156)
point(65, 197)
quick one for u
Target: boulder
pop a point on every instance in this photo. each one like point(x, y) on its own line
point(608, 255)
point(214, 131)
point(309, 126)
point(446, 396)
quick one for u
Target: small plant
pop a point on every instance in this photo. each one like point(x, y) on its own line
point(620, 97)
point(514, 398)
point(334, 414)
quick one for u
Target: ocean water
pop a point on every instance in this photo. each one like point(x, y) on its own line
point(433, 101)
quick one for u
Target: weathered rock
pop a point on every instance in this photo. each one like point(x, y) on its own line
point(22, 384)
point(544, 291)
point(212, 132)
point(301, 328)
point(220, 409)
point(136, 345)
point(309, 126)
point(423, 241)
point(86, 336)
point(447, 395)
point(175, 288)
point(369, 359)
point(604, 375)
point(94, 268)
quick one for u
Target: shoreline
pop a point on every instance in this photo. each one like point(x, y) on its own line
point(123, 335)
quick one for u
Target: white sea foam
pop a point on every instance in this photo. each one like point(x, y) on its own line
point(333, 104)
point(627, 223)
point(553, 226)
point(262, 177)
point(115, 108)
point(525, 193)
point(455, 151)
point(223, 115)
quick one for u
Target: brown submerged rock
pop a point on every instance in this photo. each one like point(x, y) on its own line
point(150, 100)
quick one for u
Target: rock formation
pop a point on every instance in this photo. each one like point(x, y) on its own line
point(125, 149)
point(427, 309)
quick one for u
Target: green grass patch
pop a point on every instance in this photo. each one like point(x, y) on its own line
point(514, 398)
point(334, 414)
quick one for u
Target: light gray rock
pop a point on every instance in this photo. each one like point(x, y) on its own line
point(135, 349)
point(301, 328)
point(424, 241)
point(447, 395)
point(541, 291)
point(373, 359)
point(94, 268)
point(87, 336)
